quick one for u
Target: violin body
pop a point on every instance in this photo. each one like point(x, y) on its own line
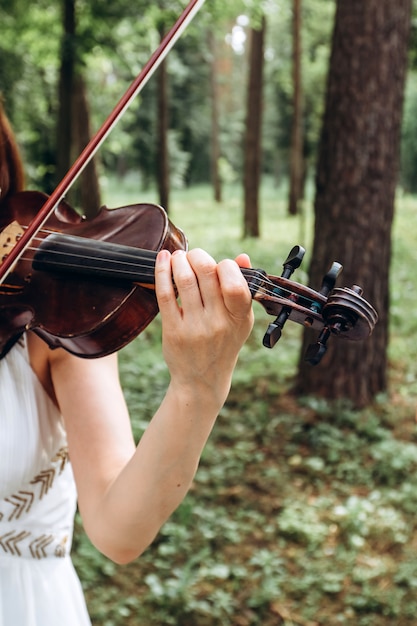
point(89, 316)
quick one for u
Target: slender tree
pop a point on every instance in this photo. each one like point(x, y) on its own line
point(73, 122)
point(162, 136)
point(162, 122)
point(88, 190)
point(252, 141)
point(65, 90)
point(215, 124)
point(355, 185)
point(296, 148)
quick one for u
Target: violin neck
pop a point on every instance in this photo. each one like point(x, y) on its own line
point(98, 259)
point(107, 261)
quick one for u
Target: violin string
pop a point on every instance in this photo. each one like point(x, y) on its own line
point(131, 257)
point(266, 288)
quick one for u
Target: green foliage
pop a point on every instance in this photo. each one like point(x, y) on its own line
point(316, 30)
point(112, 44)
point(28, 78)
point(302, 511)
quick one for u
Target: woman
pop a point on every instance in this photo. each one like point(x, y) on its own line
point(55, 407)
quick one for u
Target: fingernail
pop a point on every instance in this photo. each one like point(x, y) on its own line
point(163, 255)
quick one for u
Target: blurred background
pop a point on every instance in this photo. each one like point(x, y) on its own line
point(271, 123)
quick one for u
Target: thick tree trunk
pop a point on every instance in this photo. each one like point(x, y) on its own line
point(65, 88)
point(296, 148)
point(356, 182)
point(252, 142)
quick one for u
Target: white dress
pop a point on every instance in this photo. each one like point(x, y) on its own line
point(38, 583)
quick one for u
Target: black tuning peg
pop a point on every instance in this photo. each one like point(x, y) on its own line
point(329, 280)
point(274, 330)
point(293, 261)
point(316, 351)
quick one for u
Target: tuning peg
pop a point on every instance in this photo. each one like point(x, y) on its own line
point(329, 280)
point(293, 261)
point(327, 285)
point(274, 330)
point(316, 351)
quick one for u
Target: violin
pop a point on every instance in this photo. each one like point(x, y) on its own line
point(88, 285)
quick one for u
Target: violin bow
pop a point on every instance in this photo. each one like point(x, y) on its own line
point(94, 144)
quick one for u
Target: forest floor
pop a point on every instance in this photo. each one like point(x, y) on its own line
point(302, 512)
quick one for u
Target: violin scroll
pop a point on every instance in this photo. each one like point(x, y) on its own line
point(341, 312)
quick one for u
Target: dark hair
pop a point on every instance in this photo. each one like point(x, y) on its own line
point(11, 166)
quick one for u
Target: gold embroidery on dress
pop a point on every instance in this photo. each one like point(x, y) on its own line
point(38, 546)
point(46, 477)
point(14, 542)
point(60, 550)
point(21, 501)
point(10, 541)
point(62, 456)
point(46, 480)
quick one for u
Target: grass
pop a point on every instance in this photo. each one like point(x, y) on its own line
point(303, 512)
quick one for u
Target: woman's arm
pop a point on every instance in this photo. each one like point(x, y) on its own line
point(127, 493)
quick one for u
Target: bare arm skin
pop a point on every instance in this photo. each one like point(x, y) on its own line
point(126, 493)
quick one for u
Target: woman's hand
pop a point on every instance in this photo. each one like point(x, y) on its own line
point(206, 322)
point(127, 493)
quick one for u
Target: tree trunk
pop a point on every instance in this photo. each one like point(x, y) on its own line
point(296, 148)
point(355, 185)
point(88, 189)
point(215, 126)
point(65, 88)
point(252, 142)
point(162, 134)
